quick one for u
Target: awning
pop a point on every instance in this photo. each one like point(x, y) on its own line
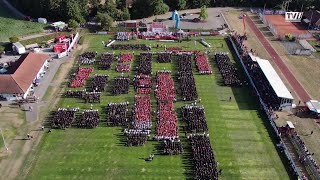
point(314, 106)
point(290, 124)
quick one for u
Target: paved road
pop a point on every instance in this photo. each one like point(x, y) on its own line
point(42, 88)
point(300, 91)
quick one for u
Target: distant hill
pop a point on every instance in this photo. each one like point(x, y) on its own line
point(10, 26)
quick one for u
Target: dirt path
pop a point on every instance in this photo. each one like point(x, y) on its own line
point(13, 164)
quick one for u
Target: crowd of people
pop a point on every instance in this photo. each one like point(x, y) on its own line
point(305, 155)
point(202, 63)
point(165, 90)
point(125, 57)
point(141, 47)
point(99, 83)
point(122, 60)
point(142, 113)
point(74, 94)
point(79, 79)
point(142, 84)
point(123, 36)
point(89, 119)
point(87, 58)
point(172, 147)
point(263, 86)
point(121, 85)
point(139, 131)
point(92, 97)
point(227, 69)
point(186, 78)
point(106, 60)
point(194, 116)
point(204, 162)
point(137, 137)
point(63, 118)
point(123, 67)
point(117, 113)
point(157, 35)
point(145, 64)
point(164, 57)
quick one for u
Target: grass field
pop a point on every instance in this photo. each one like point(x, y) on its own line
point(238, 135)
point(9, 26)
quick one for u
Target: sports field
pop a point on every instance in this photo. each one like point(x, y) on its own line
point(9, 26)
point(240, 140)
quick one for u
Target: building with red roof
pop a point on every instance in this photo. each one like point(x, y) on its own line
point(22, 75)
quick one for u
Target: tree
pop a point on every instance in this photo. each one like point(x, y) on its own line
point(176, 4)
point(2, 48)
point(203, 13)
point(71, 10)
point(141, 9)
point(125, 14)
point(159, 7)
point(73, 23)
point(13, 39)
point(105, 20)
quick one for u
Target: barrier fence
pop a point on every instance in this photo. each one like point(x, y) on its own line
point(293, 165)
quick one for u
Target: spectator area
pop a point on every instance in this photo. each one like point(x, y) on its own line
point(274, 80)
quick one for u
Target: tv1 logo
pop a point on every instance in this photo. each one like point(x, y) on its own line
point(293, 16)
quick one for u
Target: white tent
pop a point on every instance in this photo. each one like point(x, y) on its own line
point(42, 20)
point(18, 47)
point(314, 106)
point(275, 81)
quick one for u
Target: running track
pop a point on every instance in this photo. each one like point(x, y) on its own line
point(300, 91)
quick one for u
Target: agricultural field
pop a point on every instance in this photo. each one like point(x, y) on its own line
point(238, 131)
point(9, 26)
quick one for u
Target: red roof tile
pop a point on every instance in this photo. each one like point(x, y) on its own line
point(24, 75)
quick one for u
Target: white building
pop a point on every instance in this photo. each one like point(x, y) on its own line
point(19, 82)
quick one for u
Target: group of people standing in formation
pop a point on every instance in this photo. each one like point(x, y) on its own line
point(138, 127)
point(202, 63)
point(140, 47)
point(263, 86)
point(186, 78)
point(124, 62)
point(166, 126)
point(121, 85)
point(87, 58)
point(227, 69)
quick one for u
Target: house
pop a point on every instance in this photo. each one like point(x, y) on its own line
point(312, 17)
point(22, 75)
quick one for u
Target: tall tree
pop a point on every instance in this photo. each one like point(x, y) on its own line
point(176, 4)
point(105, 20)
point(125, 14)
point(70, 10)
point(159, 7)
point(204, 13)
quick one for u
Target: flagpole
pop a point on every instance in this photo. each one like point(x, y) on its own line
point(4, 142)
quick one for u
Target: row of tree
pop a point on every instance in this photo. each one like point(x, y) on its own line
point(78, 11)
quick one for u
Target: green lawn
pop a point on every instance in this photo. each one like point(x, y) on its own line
point(238, 136)
point(9, 26)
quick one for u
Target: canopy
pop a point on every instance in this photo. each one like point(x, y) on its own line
point(314, 106)
point(290, 124)
point(275, 81)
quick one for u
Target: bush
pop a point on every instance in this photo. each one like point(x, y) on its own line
point(73, 23)
point(13, 39)
point(2, 48)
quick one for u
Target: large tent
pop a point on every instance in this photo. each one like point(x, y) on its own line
point(275, 81)
point(314, 106)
